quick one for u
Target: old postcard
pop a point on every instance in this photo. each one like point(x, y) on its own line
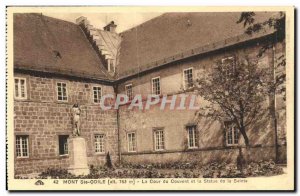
point(150, 98)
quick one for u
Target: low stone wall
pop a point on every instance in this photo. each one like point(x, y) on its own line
point(28, 166)
point(204, 156)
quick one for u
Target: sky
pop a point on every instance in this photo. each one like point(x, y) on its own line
point(124, 21)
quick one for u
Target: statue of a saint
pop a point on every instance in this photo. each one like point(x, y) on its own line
point(76, 119)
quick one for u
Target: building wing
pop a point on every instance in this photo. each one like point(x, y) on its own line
point(46, 44)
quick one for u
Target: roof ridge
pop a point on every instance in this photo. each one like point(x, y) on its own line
point(150, 20)
point(49, 17)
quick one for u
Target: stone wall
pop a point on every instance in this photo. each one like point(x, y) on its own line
point(171, 76)
point(211, 137)
point(44, 118)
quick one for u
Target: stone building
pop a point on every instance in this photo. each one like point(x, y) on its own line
point(58, 64)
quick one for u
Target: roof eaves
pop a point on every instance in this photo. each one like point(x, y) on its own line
point(63, 72)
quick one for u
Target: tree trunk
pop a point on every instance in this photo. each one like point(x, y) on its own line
point(246, 139)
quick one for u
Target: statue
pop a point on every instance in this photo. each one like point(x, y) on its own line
point(76, 119)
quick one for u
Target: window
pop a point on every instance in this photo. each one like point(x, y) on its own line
point(20, 88)
point(156, 86)
point(110, 65)
point(99, 143)
point(188, 78)
point(131, 142)
point(228, 65)
point(192, 137)
point(159, 143)
point(97, 93)
point(129, 93)
point(228, 60)
point(63, 144)
point(232, 134)
point(22, 148)
point(62, 91)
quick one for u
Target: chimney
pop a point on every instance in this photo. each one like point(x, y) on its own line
point(111, 27)
point(82, 20)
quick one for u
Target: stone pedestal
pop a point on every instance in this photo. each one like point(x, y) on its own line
point(78, 157)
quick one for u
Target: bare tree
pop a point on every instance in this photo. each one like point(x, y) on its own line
point(276, 23)
point(236, 91)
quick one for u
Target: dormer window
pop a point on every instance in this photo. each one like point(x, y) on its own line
point(57, 54)
point(110, 65)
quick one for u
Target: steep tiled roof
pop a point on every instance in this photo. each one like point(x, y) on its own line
point(176, 34)
point(46, 44)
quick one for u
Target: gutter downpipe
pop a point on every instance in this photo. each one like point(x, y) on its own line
point(118, 126)
point(274, 113)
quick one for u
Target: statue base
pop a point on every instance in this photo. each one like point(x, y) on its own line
point(78, 156)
